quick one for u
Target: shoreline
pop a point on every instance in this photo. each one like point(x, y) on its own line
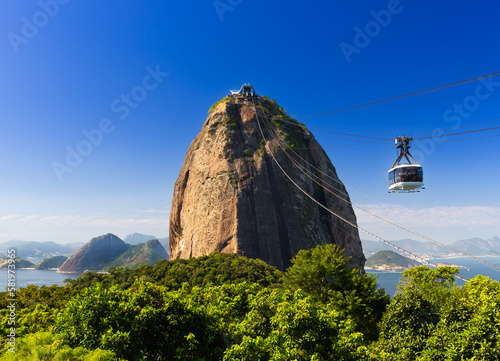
point(442, 263)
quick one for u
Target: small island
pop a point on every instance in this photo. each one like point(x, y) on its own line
point(390, 261)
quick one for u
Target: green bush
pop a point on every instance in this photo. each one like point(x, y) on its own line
point(143, 322)
point(322, 272)
point(225, 99)
point(44, 346)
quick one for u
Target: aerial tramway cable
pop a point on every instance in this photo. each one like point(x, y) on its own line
point(301, 168)
point(337, 215)
point(461, 126)
point(429, 90)
point(465, 81)
point(460, 133)
point(392, 139)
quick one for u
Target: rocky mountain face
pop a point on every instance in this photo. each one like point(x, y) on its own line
point(93, 254)
point(232, 196)
point(104, 252)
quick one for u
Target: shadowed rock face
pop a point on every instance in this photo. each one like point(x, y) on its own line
point(232, 197)
point(104, 252)
point(94, 253)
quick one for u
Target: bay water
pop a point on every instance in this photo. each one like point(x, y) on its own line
point(389, 279)
point(25, 277)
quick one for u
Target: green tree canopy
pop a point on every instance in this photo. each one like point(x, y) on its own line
point(322, 273)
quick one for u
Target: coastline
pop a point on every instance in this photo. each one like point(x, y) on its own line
point(432, 259)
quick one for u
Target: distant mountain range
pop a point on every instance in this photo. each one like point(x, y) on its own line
point(136, 238)
point(36, 252)
point(473, 246)
point(108, 251)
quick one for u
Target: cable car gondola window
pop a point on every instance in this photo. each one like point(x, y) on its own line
point(392, 177)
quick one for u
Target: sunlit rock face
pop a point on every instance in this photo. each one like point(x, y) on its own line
point(231, 195)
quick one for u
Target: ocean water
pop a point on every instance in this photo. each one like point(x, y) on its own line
point(386, 279)
point(389, 280)
point(25, 277)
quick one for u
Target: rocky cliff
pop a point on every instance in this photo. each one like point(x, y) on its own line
point(94, 254)
point(232, 196)
point(104, 252)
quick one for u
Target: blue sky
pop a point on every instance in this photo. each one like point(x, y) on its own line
point(138, 79)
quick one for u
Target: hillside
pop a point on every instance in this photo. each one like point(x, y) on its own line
point(104, 252)
point(94, 254)
point(143, 253)
point(137, 238)
point(385, 260)
point(20, 263)
point(54, 262)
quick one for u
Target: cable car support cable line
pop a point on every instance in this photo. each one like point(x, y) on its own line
point(462, 126)
point(338, 216)
point(429, 90)
point(392, 139)
point(460, 133)
point(320, 183)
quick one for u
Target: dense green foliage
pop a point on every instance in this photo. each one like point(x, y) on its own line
point(226, 307)
point(217, 268)
point(323, 273)
point(53, 262)
point(45, 346)
point(433, 319)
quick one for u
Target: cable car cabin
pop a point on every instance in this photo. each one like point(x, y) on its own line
point(406, 178)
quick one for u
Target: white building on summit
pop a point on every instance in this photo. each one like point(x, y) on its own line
point(246, 90)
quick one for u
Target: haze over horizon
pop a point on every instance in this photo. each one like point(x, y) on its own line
point(102, 100)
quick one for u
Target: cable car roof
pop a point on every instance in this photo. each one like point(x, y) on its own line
point(413, 165)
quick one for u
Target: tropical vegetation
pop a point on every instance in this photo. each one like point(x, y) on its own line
point(228, 307)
